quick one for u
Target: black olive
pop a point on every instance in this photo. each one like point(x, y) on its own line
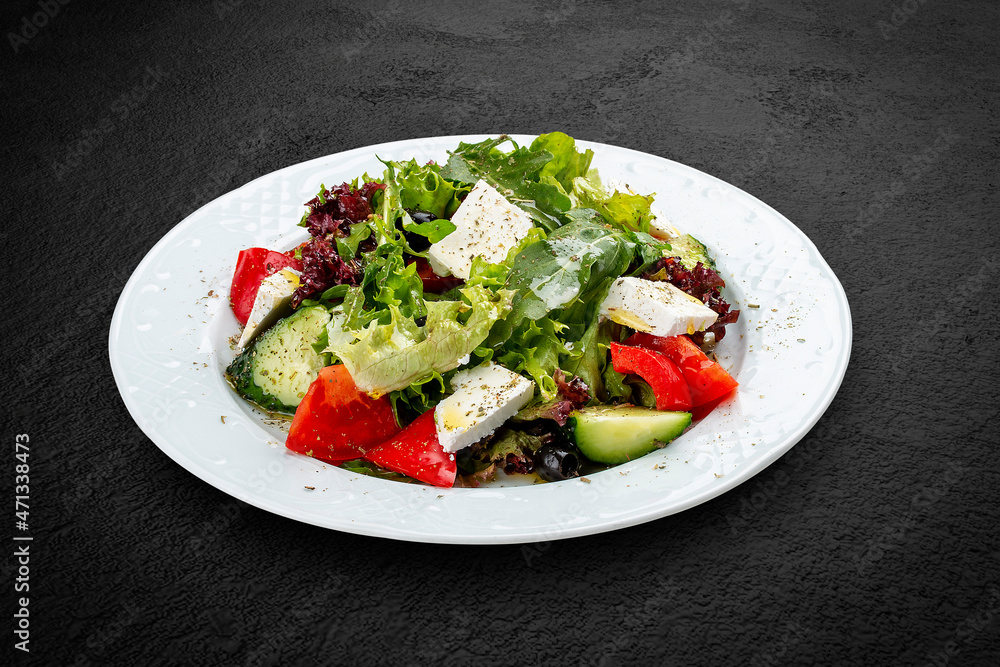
point(556, 462)
point(417, 242)
point(420, 217)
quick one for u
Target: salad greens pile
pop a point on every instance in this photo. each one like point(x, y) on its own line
point(374, 325)
point(534, 313)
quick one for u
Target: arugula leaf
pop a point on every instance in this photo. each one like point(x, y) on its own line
point(560, 283)
point(485, 160)
point(334, 293)
point(515, 174)
point(649, 250)
point(588, 358)
point(434, 230)
point(584, 215)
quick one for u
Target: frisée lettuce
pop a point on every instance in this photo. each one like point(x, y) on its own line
point(388, 357)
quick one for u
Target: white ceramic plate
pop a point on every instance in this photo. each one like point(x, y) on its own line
point(169, 347)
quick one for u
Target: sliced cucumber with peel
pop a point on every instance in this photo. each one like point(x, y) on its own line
point(616, 434)
point(276, 370)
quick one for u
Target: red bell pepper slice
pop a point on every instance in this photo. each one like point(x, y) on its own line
point(416, 452)
point(432, 281)
point(252, 266)
point(337, 422)
point(663, 376)
point(706, 378)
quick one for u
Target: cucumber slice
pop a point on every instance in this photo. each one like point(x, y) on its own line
point(278, 368)
point(616, 434)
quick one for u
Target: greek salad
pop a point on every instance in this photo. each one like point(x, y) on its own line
point(505, 312)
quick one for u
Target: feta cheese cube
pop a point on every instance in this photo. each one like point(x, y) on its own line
point(486, 225)
point(656, 307)
point(272, 298)
point(485, 397)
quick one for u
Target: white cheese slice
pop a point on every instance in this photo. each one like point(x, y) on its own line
point(486, 225)
point(271, 301)
point(659, 226)
point(485, 397)
point(656, 307)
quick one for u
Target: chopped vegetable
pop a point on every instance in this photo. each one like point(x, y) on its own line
point(252, 266)
point(335, 422)
point(616, 434)
point(658, 371)
point(416, 452)
point(706, 379)
point(279, 367)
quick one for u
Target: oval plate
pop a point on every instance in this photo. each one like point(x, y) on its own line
point(169, 345)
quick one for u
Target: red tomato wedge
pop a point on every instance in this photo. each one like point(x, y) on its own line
point(415, 451)
point(706, 378)
point(337, 422)
point(432, 281)
point(663, 376)
point(252, 266)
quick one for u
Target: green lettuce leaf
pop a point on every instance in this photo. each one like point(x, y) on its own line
point(567, 163)
point(615, 386)
point(534, 349)
point(387, 282)
point(347, 248)
point(419, 187)
point(621, 209)
point(391, 356)
point(422, 188)
point(641, 393)
point(418, 397)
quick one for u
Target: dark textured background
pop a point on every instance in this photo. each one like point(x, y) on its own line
point(871, 125)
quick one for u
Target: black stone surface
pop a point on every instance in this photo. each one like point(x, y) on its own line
point(871, 125)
